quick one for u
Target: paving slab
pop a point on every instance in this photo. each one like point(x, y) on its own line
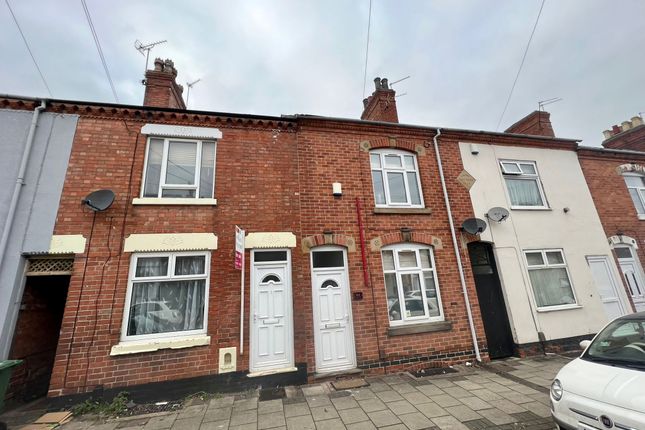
point(384, 418)
point(159, 423)
point(401, 407)
point(333, 424)
point(364, 425)
point(344, 403)
point(215, 425)
point(416, 421)
point(431, 410)
point(371, 405)
point(304, 422)
point(296, 410)
point(351, 416)
point(322, 413)
point(271, 420)
point(449, 423)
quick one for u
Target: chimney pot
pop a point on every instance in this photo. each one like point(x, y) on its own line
point(162, 89)
point(158, 64)
point(607, 134)
point(381, 105)
point(636, 121)
point(615, 129)
point(625, 125)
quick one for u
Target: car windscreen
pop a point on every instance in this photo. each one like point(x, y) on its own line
point(621, 343)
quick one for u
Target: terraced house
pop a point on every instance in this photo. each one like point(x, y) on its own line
point(354, 258)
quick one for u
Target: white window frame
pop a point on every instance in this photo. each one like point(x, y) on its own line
point(132, 279)
point(639, 190)
point(546, 265)
point(535, 177)
point(164, 165)
point(399, 153)
point(398, 271)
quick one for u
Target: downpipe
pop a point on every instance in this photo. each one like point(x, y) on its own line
point(460, 266)
point(20, 181)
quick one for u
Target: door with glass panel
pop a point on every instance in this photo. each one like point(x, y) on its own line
point(271, 340)
point(332, 311)
point(607, 286)
point(633, 274)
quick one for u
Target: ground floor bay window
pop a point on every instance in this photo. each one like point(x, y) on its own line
point(411, 284)
point(167, 295)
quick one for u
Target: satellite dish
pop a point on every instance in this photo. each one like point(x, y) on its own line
point(99, 200)
point(474, 225)
point(497, 214)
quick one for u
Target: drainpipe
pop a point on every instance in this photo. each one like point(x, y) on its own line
point(4, 240)
point(456, 246)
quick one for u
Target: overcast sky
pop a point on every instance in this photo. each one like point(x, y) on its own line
point(287, 57)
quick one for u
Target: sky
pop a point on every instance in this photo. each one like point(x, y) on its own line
point(308, 57)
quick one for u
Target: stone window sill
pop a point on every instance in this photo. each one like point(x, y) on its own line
point(403, 211)
point(137, 347)
point(419, 328)
point(171, 202)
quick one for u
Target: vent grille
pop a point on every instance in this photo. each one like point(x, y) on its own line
point(50, 266)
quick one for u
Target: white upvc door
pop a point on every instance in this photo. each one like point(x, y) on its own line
point(607, 286)
point(271, 341)
point(633, 274)
point(333, 326)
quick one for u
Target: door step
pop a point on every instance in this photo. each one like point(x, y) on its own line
point(337, 375)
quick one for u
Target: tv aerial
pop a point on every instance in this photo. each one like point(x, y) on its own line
point(474, 225)
point(497, 214)
point(190, 85)
point(141, 47)
point(543, 103)
point(99, 200)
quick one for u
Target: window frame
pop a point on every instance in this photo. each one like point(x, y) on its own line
point(535, 177)
point(382, 152)
point(170, 276)
point(639, 190)
point(398, 271)
point(164, 165)
point(547, 265)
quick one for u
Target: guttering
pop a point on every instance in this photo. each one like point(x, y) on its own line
point(455, 244)
point(20, 181)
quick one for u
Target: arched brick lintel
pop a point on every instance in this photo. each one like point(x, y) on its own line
point(630, 168)
point(328, 239)
point(391, 142)
point(398, 237)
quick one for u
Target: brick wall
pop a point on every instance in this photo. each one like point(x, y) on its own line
point(328, 153)
point(268, 178)
point(256, 188)
point(610, 195)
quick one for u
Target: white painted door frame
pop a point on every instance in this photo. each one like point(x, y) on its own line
point(343, 274)
point(288, 363)
point(619, 293)
point(634, 278)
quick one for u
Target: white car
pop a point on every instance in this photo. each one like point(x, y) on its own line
point(605, 387)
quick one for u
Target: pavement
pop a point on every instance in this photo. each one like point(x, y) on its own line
point(507, 394)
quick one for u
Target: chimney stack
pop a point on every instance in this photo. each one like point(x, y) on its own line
point(162, 89)
point(537, 123)
point(381, 105)
point(627, 135)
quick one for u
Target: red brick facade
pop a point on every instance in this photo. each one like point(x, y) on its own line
point(272, 175)
point(537, 123)
point(604, 175)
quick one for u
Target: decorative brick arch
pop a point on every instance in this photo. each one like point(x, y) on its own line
point(398, 237)
point(631, 168)
point(391, 142)
point(622, 240)
point(328, 239)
